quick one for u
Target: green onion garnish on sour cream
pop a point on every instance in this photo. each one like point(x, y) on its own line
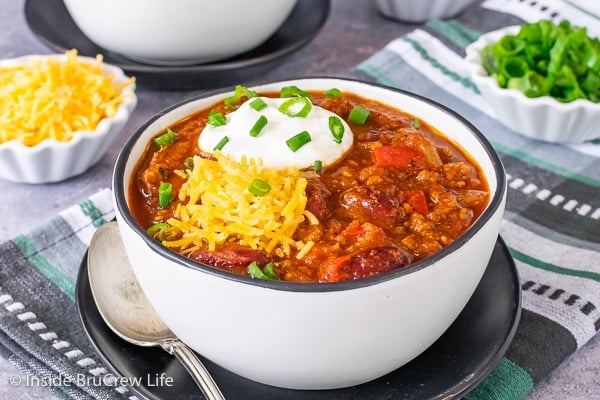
point(258, 126)
point(318, 166)
point(258, 104)
point(296, 107)
point(272, 142)
point(221, 144)
point(337, 129)
point(297, 141)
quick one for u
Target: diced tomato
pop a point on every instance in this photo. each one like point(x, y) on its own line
point(416, 199)
point(330, 270)
point(396, 156)
point(353, 230)
point(363, 235)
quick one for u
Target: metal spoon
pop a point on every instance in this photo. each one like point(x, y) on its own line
point(126, 310)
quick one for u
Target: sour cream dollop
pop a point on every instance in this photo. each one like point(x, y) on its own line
point(270, 144)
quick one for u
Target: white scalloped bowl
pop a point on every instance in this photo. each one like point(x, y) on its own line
point(53, 161)
point(542, 118)
point(422, 10)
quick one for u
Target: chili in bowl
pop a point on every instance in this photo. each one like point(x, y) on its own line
point(318, 222)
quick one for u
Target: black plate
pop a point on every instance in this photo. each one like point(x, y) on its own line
point(50, 21)
point(452, 366)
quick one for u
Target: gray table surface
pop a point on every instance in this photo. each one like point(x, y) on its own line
point(353, 31)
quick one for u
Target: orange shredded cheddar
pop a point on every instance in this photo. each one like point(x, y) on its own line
point(49, 98)
point(216, 206)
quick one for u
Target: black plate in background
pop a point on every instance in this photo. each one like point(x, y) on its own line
point(452, 366)
point(50, 21)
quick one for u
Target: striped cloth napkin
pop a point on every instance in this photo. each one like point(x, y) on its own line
point(551, 225)
point(552, 220)
point(40, 331)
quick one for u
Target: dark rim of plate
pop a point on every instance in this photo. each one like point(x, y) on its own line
point(495, 203)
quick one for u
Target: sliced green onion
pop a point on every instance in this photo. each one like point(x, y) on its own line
point(189, 163)
point(258, 187)
point(591, 85)
point(255, 272)
point(221, 143)
point(318, 165)
point(216, 118)
point(267, 273)
point(336, 128)
point(566, 88)
point(269, 270)
point(160, 226)
point(240, 91)
point(359, 115)
point(166, 138)
point(163, 231)
point(291, 91)
point(546, 59)
point(258, 125)
point(299, 140)
point(333, 92)
point(508, 45)
point(258, 104)
point(416, 123)
point(531, 84)
point(488, 60)
point(290, 107)
point(513, 67)
point(165, 194)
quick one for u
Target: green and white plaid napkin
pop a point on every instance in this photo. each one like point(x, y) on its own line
point(551, 225)
point(552, 220)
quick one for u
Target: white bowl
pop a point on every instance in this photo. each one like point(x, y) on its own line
point(51, 160)
point(423, 10)
point(179, 32)
point(314, 335)
point(543, 118)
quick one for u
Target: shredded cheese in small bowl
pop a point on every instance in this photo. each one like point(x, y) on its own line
point(59, 114)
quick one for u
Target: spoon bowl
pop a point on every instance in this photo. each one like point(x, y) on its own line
point(126, 310)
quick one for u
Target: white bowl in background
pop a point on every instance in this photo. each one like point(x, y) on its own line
point(421, 10)
point(543, 118)
point(178, 32)
point(53, 161)
point(314, 335)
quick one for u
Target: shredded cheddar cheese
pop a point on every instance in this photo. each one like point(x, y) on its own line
point(216, 206)
point(53, 99)
point(304, 249)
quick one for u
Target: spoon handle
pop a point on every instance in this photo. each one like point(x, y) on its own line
point(195, 367)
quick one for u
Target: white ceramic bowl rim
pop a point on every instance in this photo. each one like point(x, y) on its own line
point(494, 204)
